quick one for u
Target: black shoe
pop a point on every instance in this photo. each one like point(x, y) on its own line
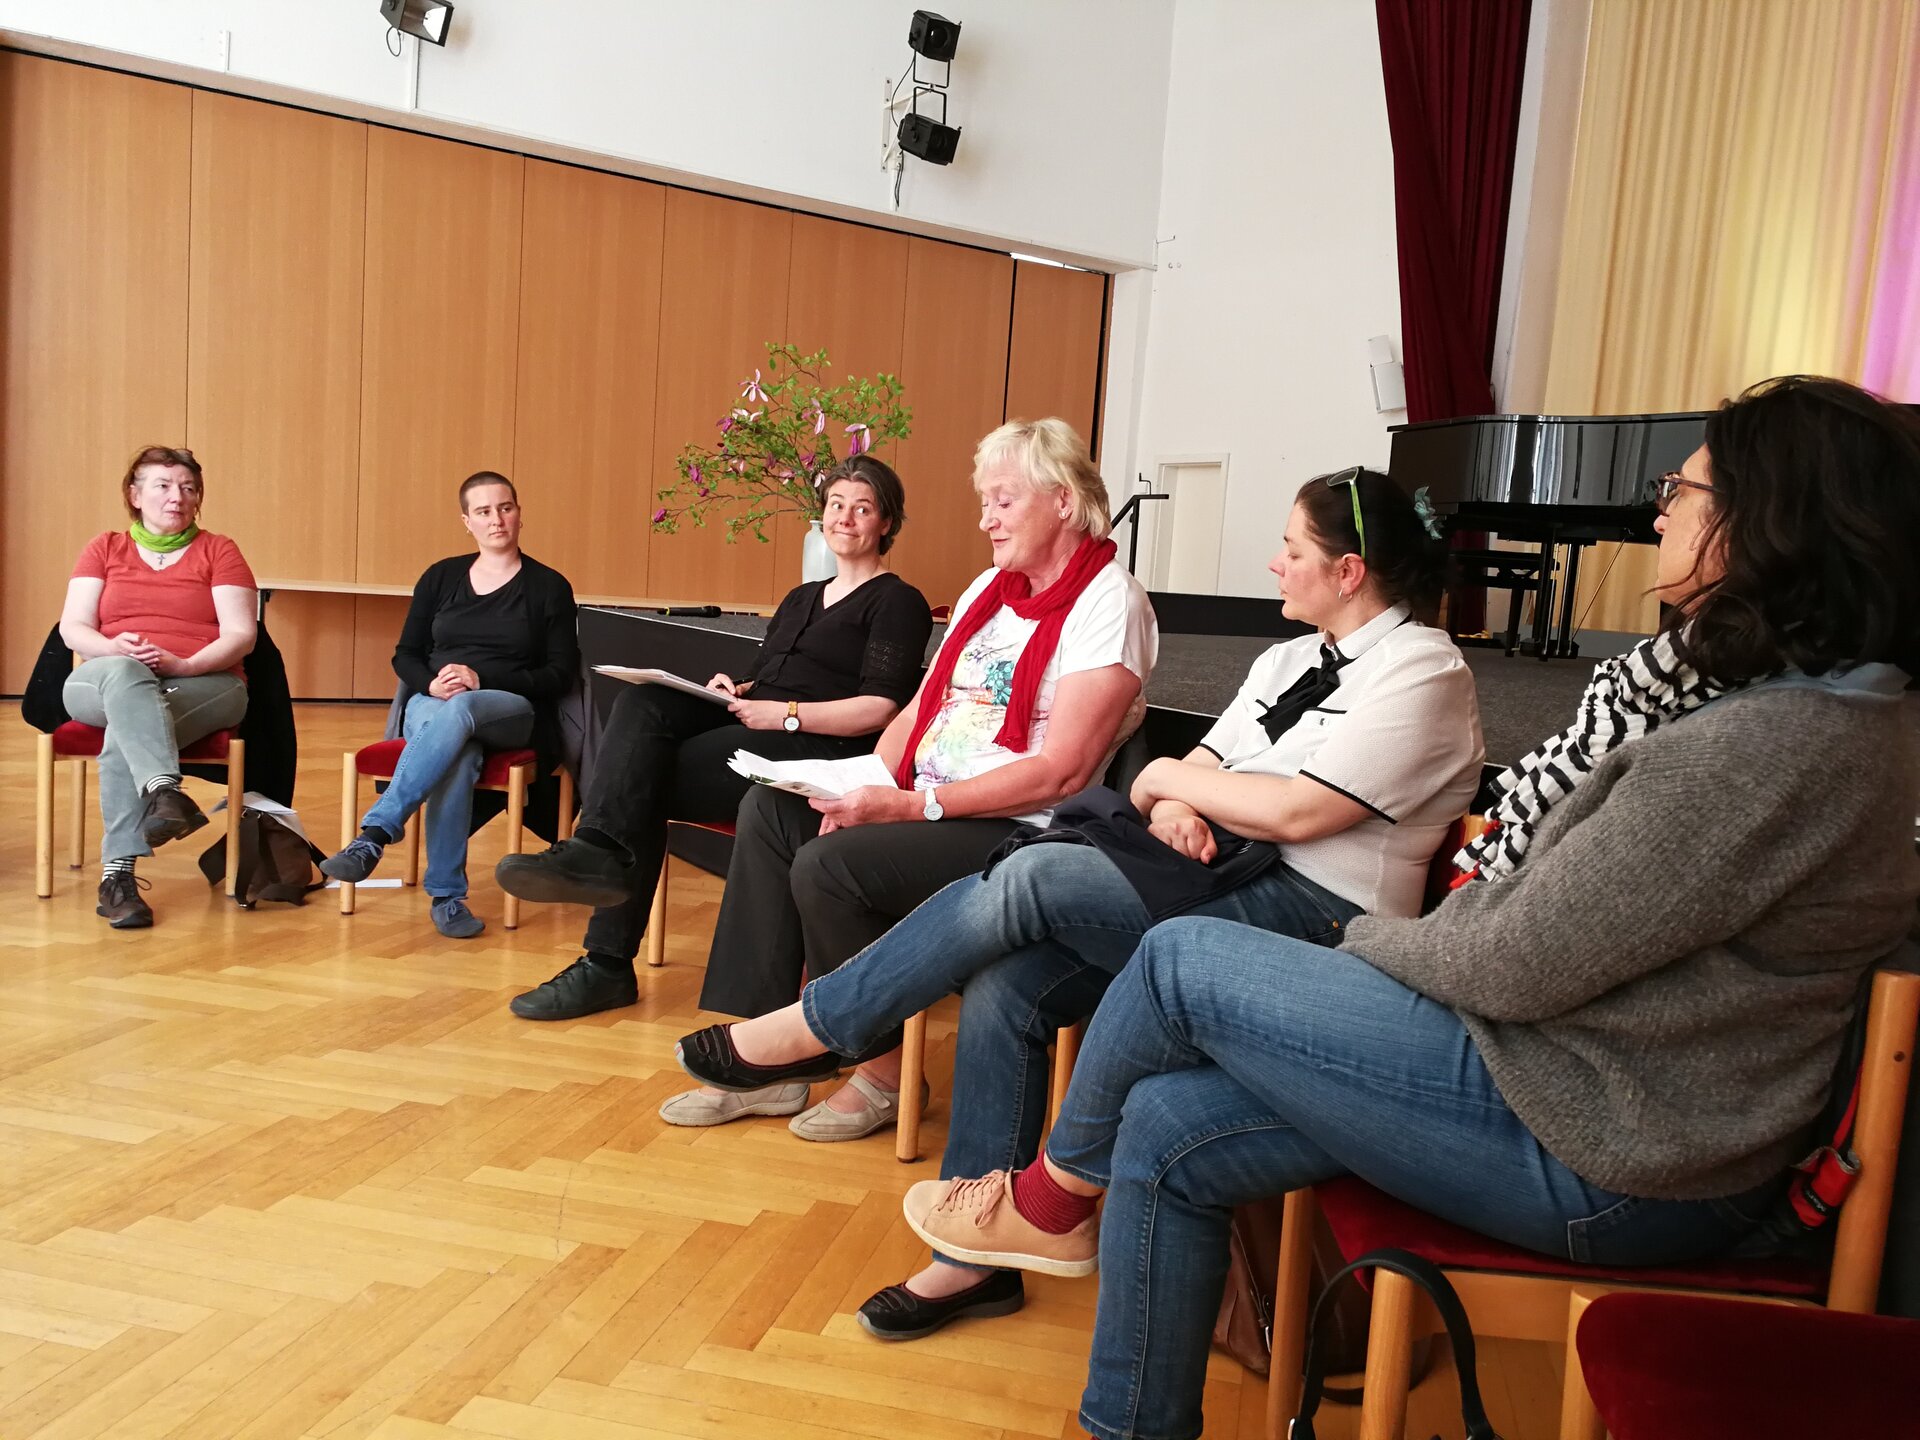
point(120, 902)
point(570, 873)
point(583, 988)
point(170, 815)
point(896, 1313)
point(707, 1055)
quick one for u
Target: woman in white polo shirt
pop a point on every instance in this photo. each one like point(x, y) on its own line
point(1322, 792)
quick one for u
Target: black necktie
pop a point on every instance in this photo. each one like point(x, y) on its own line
point(1305, 693)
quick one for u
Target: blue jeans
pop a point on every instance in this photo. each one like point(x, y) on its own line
point(1223, 1066)
point(1030, 948)
point(447, 741)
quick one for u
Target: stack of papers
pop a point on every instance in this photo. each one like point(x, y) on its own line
point(635, 676)
point(815, 779)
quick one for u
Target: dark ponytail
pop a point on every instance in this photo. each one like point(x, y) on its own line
point(1406, 564)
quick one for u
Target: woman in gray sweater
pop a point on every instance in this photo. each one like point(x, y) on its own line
point(1611, 1043)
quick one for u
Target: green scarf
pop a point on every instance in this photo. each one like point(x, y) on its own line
point(162, 544)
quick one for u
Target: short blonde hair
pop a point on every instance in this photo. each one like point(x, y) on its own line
point(1052, 456)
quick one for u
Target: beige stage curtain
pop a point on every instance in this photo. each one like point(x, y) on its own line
point(1743, 204)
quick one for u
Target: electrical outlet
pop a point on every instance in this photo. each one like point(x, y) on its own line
point(219, 49)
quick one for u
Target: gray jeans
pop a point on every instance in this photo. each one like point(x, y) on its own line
point(147, 718)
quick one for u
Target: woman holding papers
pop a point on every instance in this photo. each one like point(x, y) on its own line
point(840, 658)
point(1031, 691)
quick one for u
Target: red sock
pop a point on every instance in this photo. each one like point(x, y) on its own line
point(1043, 1202)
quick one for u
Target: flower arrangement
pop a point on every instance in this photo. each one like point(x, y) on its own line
point(777, 445)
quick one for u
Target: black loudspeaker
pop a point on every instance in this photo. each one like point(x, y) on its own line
point(424, 19)
point(927, 138)
point(933, 36)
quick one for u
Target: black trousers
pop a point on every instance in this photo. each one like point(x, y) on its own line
point(800, 904)
point(664, 757)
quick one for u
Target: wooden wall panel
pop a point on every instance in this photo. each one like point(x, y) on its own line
point(314, 633)
point(1053, 358)
point(376, 628)
point(725, 296)
point(94, 359)
point(273, 330)
point(953, 363)
point(440, 341)
point(848, 295)
point(589, 342)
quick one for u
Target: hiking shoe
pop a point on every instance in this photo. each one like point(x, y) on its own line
point(170, 814)
point(120, 901)
point(453, 919)
point(974, 1221)
point(355, 863)
point(569, 873)
point(690, 1107)
point(896, 1313)
point(583, 988)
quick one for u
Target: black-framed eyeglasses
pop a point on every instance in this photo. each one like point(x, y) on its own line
point(1350, 477)
point(1670, 485)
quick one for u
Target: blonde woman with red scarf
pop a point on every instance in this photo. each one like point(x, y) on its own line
point(1047, 656)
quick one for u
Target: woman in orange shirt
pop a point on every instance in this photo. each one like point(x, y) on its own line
point(161, 615)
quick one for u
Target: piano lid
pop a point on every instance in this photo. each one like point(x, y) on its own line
point(1544, 460)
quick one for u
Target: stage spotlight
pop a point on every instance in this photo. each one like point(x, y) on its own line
point(933, 36)
point(927, 138)
point(427, 20)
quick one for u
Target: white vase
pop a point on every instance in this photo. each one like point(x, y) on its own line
point(816, 557)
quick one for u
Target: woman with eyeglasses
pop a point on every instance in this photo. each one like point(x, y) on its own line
point(161, 614)
point(1612, 1042)
point(1321, 794)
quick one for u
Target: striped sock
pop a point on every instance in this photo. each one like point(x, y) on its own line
point(161, 782)
point(111, 868)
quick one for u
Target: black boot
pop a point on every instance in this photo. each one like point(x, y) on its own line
point(570, 873)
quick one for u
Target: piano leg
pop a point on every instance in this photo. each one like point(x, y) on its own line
point(1543, 598)
point(1566, 648)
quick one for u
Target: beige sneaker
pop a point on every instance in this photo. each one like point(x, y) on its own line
point(690, 1107)
point(974, 1221)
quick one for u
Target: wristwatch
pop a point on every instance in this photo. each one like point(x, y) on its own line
point(932, 809)
point(792, 723)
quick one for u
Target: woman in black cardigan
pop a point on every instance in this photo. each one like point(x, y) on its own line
point(840, 658)
point(488, 649)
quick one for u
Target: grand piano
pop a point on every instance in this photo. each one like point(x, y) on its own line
point(1558, 481)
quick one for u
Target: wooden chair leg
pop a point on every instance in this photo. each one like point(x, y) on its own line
point(43, 816)
point(1383, 1411)
point(516, 819)
point(236, 802)
point(410, 869)
point(1066, 1049)
point(913, 1065)
point(349, 819)
point(563, 822)
point(1578, 1418)
point(1292, 1297)
point(76, 814)
point(656, 941)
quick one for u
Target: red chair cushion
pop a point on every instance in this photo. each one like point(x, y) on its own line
point(1683, 1367)
point(379, 758)
point(1364, 1219)
point(74, 741)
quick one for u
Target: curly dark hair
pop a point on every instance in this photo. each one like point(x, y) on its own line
point(1816, 516)
point(1407, 565)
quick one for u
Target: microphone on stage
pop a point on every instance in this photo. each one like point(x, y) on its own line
point(704, 611)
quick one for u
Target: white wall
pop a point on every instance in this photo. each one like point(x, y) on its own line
point(1062, 103)
point(1276, 262)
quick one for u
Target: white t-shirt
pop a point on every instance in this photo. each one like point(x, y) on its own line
point(1111, 623)
point(1401, 735)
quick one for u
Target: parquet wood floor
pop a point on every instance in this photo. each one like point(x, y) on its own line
point(284, 1175)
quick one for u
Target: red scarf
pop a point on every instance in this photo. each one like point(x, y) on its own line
point(1050, 607)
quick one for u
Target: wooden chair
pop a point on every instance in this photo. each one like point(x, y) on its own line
point(1517, 1294)
point(78, 744)
point(509, 770)
point(655, 945)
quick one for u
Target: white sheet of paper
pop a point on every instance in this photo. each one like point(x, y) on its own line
point(815, 779)
point(667, 678)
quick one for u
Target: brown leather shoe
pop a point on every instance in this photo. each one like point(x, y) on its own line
point(170, 815)
point(120, 902)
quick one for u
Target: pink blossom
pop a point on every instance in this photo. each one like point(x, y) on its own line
point(659, 514)
point(858, 440)
point(693, 473)
point(819, 420)
point(750, 390)
point(727, 423)
point(806, 460)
